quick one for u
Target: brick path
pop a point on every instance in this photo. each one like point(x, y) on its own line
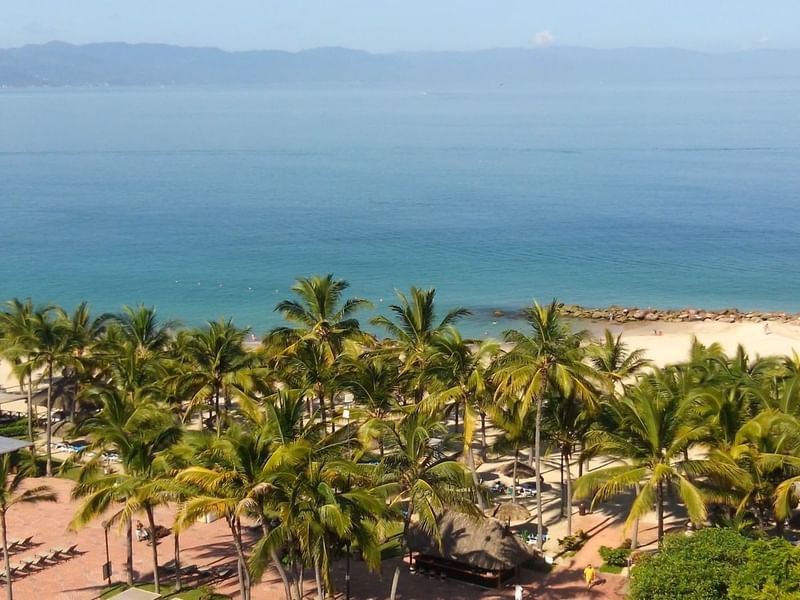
point(79, 578)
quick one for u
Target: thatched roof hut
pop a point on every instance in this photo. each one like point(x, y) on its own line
point(484, 544)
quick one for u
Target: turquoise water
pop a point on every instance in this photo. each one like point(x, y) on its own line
point(208, 203)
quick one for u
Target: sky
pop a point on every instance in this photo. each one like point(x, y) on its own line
point(407, 25)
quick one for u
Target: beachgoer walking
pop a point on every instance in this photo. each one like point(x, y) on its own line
point(589, 575)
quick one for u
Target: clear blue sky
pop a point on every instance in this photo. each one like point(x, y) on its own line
point(389, 25)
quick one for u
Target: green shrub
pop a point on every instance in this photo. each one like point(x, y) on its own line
point(771, 572)
point(574, 542)
point(617, 557)
point(696, 567)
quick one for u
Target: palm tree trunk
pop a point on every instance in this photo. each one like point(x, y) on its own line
point(129, 552)
point(216, 408)
point(177, 562)
point(396, 577)
point(635, 526)
point(30, 406)
point(514, 476)
point(49, 426)
point(473, 470)
point(538, 453)
point(276, 561)
point(154, 545)
point(483, 436)
point(9, 593)
point(568, 460)
point(456, 410)
point(660, 508)
point(563, 491)
point(320, 594)
point(532, 454)
point(244, 577)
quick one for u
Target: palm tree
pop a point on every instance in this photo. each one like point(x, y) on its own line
point(517, 421)
point(13, 471)
point(414, 330)
point(324, 323)
point(566, 422)
point(215, 361)
point(139, 326)
point(612, 360)
point(233, 476)
point(53, 348)
point(549, 360)
point(141, 433)
point(83, 332)
point(767, 447)
point(18, 341)
point(650, 434)
point(425, 483)
point(320, 314)
point(373, 381)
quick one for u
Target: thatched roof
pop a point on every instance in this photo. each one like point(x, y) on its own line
point(483, 543)
point(510, 511)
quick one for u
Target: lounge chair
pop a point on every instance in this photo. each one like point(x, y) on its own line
point(21, 543)
point(223, 572)
point(52, 556)
point(39, 562)
point(67, 552)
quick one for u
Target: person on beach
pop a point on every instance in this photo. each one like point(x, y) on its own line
point(141, 532)
point(589, 575)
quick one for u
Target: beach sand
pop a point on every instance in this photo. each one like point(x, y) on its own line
point(674, 341)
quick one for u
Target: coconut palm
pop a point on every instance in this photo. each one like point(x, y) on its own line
point(566, 422)
point(323, 324)
point(17, 344)
point(215, 361)
point(140, 432)
point(649, 433)
point(83, 333)
point(413, 332)
point(374, 382)
point(140, 327)
point(549, 360)
point(517, 422)
point(425, 482)
point(14, 469)
point(320, 315)
point(53, 349)
point(612, 360)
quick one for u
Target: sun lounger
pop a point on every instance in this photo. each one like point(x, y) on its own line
point(223, 573)
point(52, 556)
point(20, 543)
point(71, 551)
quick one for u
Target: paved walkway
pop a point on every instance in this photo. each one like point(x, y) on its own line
point(209, 544)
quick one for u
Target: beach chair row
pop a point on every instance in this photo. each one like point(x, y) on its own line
point(39, 562)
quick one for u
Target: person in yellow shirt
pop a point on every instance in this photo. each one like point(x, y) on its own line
point(589, 575)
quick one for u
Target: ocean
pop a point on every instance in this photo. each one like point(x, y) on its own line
point(207, 203)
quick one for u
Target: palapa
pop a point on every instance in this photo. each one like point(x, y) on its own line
point(511, 511)
point(482, 543)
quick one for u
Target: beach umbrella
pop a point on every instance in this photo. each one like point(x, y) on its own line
point(511, 511)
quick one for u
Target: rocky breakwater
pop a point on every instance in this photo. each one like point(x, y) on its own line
point(630, 314)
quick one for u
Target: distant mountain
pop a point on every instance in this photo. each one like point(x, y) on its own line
point(61, 64)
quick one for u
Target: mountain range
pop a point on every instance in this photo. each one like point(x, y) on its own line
point(121, 64)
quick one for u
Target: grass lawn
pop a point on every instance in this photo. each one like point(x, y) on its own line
point(200, 593)
point(610, 569)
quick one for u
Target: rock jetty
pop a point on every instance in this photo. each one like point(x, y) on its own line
point(629, 314)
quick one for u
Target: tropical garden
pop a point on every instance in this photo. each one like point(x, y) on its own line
point(333, 436)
